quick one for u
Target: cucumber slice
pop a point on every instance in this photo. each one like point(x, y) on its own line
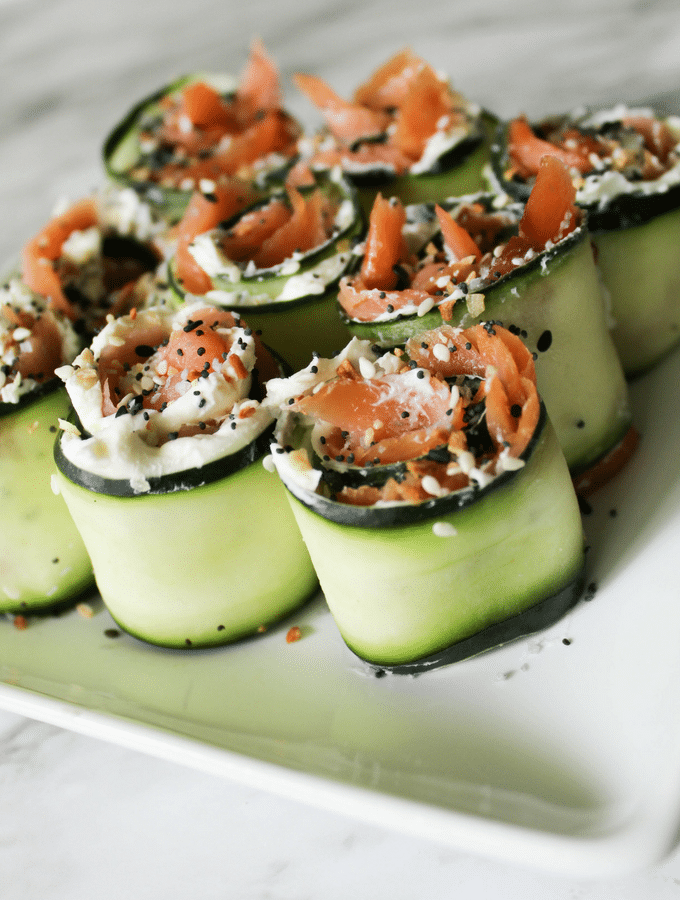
point(461, 171)
point(554, 301)
point(292, 303)
point(193, 566)
point(414, 587)
point(640, 269)
point(634, 225)
point(43, 561)
point(126, 159)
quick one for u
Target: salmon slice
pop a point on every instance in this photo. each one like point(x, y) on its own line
point(526, 150)
point(390, 419)
point(348, 122)
point(45, 248)
point(385, 245)
point(201, 215)
point(388, 85)
point(493, 353)
point(259, 86)
point(309, 226)
point(426, 108)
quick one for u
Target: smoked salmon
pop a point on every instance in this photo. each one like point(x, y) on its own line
point(199, 130)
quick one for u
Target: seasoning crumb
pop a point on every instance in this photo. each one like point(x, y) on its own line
point(84, 610)
point(20, 622)
point(566, 641)
point(112, 633)
point(261, 629)
point(590, 591)
point(294, 634)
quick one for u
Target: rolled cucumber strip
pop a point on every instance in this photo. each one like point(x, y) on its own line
point(199, 567)
point(450, 524)
point(625, 166)
point(43, 561)
point(462, 580)
point(552, 299)
point(278, 263)
point(191, 539)
point(202, 126)
point(405, 132)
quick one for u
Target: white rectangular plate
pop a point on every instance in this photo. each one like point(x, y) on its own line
point(560, 751)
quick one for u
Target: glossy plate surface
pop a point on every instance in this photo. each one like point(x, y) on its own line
point(560, 751)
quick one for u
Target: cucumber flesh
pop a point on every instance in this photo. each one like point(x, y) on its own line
point(400, 595)
point(640, 269)
point(200, 567)
point(43, 561)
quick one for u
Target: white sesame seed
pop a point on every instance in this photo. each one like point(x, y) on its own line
point(441, 352)
point(431, 486)
point(443, 529)
point(366, 367)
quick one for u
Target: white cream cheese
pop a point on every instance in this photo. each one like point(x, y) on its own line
point(14, 340)
point(143, 442)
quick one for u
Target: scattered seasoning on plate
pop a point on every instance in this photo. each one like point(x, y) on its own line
point(294, 634)
point(112, 633)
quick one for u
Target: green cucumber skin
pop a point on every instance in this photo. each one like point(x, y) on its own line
point(400, 594)
point(294, 329)
point(122, 150)
point(196, 568)
point(640, 269)
point(466, 177)
point(297, 330)
point(43, 561)
point(580, 376)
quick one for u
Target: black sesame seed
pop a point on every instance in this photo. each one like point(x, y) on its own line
point(544, 341)
point(144, 351)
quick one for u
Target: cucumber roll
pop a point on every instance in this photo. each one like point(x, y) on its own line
point(531, 269)
point(168, 439)
point(43, 562)
point(625, 165)
point(277, 260)
point(203, 127)
point(405, 131)
point(100, 256)
point(432, 494)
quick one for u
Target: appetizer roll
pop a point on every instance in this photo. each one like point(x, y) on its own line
point(200, 127)
point(531, 269)
point(278, 259)
point(168, 440)
point(101, 256)
point(625, 165)
point(432, 494)
point(43, 562)
point(405, 130)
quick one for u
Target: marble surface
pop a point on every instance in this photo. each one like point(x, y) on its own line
point(79, 817)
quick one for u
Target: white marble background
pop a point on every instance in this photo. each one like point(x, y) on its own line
point(83, 819)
